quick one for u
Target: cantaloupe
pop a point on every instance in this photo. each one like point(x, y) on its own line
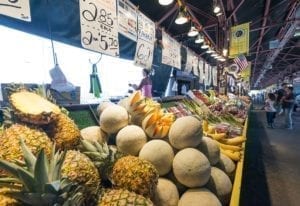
point(197, 197)
point(113, 118)
point(180, 187)
point(186, 132)
point(131, 139)
point(160, 154)
point(102, 106)
point(226, 165)
point(93, 133)
point(166, 193)
point(124, 103)
point(191, 168)
point(210, 149)
point(220, 184)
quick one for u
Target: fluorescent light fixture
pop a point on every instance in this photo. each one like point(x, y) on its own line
point(217, 9)
point(181, 18)
point(165, 2)
point(193, 32)
point(199, 39)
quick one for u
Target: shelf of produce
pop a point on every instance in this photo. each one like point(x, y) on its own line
point(236, 190)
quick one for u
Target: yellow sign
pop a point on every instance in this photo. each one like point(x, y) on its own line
point(246, 73)
point(239, 40)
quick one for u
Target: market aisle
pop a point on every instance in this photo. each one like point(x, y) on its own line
point(272, 169)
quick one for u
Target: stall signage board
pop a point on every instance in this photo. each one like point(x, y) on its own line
point(171, 51)
point(201, 70)
point(99, 26)
point(127, 19)
point(207, 74)
point(19, 9)
point(215, 76)
point(145, 43)
point(191, 62)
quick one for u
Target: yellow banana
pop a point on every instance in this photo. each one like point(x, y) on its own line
point(229, 147)
point(235, 156)
point(238, 140)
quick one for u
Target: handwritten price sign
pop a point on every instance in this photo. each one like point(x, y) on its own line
point(171, 51)
point(19, 9)
point(127, 19)
point(146, 28)
point(99, 27)
point(144, 54)
point(191, 62)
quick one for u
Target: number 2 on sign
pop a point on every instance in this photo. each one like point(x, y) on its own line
point(104, 41)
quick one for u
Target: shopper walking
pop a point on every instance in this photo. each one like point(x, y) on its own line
point(270, 109)
point(288, 104)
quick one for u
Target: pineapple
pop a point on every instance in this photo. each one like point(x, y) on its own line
point(37, 181)
point(6, 200)
point(123, 197)
point(10, 149)
point(79, 168)
point(32, 108)
point(65, 132)
point(102, 155)
point(135, 175)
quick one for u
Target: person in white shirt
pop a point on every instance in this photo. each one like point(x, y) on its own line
point(270, 109)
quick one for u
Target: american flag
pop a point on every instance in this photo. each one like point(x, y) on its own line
point(241, 61)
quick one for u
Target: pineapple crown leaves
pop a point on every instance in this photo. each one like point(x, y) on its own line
point(41, 179)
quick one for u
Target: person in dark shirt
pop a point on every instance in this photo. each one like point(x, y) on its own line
point(280, 93)
point(288, 101)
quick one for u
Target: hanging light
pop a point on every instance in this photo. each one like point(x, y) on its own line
point(204, 46)
point(209, 51)
point(222, 59)
point(165, 2)
point(217, 8)
point(181, 18)
point(193, 32)
point(199, 39)
point(214, 55)
point(218, 14)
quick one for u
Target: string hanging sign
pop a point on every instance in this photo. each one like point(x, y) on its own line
point(19, 9)
point(99, 26)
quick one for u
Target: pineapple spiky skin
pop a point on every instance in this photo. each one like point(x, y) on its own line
point(6, 200)
point(31, 108)
point(35, 139)
point(123, 197)
point(64, 132)
point(135, 175)
point(78, 168)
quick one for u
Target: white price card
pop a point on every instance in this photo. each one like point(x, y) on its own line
point(99, 26)
point(215, 76)
point(19, 9)
point(144, 54)
point(191, 62)
point(201, 70)
point(127, 19)
point(146, 28)
point(171, 51)
point(207, 74)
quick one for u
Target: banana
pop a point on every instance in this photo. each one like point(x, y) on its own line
point(229, 147)
point(235, 156)
point(217, 136)
point(233, 141)
point(205, 125)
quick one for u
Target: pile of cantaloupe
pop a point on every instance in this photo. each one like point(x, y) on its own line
point(192, 167)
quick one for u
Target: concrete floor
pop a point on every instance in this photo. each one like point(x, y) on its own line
point(271, 173)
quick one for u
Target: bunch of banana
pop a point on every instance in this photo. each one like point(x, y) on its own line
point(231, 147)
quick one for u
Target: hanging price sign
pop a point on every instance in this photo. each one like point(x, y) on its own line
point(19, 9)
point(127, 19)
point(144, 54)
point(99, 26)
point(191, 62)
point(171, 51)
point(207, 74)
point(215, 76)
point(201, 71)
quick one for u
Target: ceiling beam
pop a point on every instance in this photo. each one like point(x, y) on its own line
point(200, 12)
point(235, 9)
point(169, 13)
point(262, 32)
point(288, 54)
point(235, 20)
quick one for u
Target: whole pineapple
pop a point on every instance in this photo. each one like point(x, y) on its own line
point(37, 181)
point(6, 200)
point(123, 197)
point(65, 132)
point(136, 175)
point(35, 139)
point(77, 167)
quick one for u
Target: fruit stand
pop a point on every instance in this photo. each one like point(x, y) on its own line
point(177, 151)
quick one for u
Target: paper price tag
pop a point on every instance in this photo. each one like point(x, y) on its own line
point(127, 19)
point(144, 54)
point(99, 26)
point(19, 9)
